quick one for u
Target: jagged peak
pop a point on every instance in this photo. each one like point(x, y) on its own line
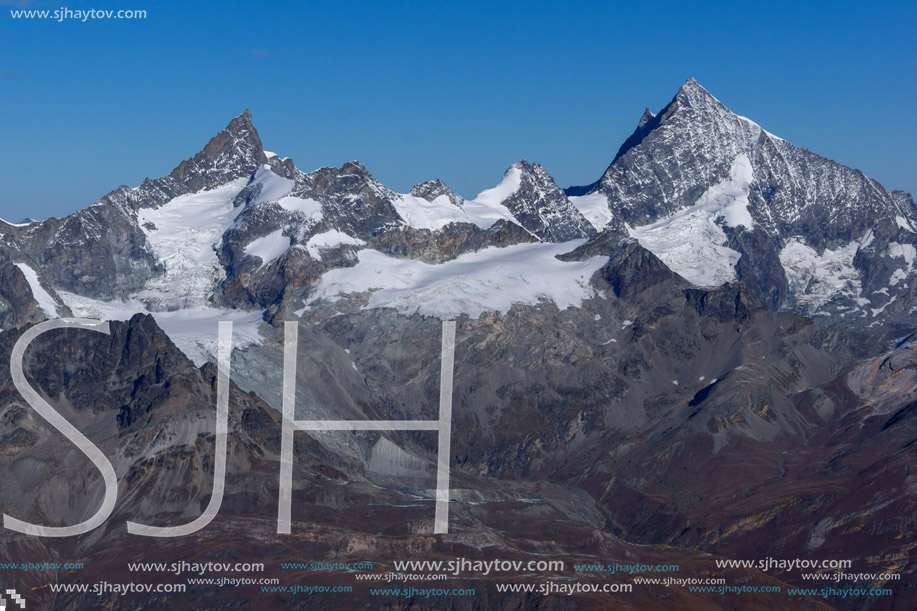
point(436, 184)
point(690, 95)
point(243, 119)
point(238, 139)
point(235, 152)
point(432, 189)
point(693, 95)
point(355, 167)
point(648, 115)
point(532, 169)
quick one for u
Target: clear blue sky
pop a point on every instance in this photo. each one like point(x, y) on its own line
point(424, 90)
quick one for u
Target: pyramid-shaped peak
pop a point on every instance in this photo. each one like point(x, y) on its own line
point(648, 115)
point(532, 172)
point(244, 118)
point(238, 138)
point(528, 167)
point(692, 86)
point(693, 95)
point(235, 152)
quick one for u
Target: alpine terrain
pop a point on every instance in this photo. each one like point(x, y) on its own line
point(707, 354)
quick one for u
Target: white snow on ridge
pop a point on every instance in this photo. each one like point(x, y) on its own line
point(691, 242)
point(814, 279)
point(18, 224)
point(273, 187)
point(903, 223)
point(508, 185)
point(422, 214)
point(309, 207)
point(269, 247)
point(593, 206)
point(753, 124)
point(329, 239)
point(193, 330)
point(490, 280)
point(487, 208)
point(41, 296)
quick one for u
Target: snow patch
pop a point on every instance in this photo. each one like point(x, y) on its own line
point(422, 214)
point(901, 251)
point(903, 223)
point(183, 235)
point(487, 208)
point(593, 206)
point(273, 187)
point(815, 279)
point(493, 279)
point(877, 311)
point(897, 276)
point(691, 246)
point(329, 239)
point(691, 242)
point(269, 247)
point(39, 294)
point(309, 207)
point(905, 251)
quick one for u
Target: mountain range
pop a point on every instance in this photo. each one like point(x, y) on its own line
point(708, 350)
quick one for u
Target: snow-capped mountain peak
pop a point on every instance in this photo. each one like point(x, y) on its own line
point(710, 193)
point(678, 159)
point(433, 189)
point(693, 95)
point(234, 153)
point(647, 116)
point(535, 201)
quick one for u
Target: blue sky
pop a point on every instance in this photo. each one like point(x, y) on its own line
point(422, 90)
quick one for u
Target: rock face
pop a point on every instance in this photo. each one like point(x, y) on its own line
point(688, 357)
point(17, 305)
point(813, 236)
point(542, 208)
point(101, 251)
point(432, 189)
point(691, 145)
